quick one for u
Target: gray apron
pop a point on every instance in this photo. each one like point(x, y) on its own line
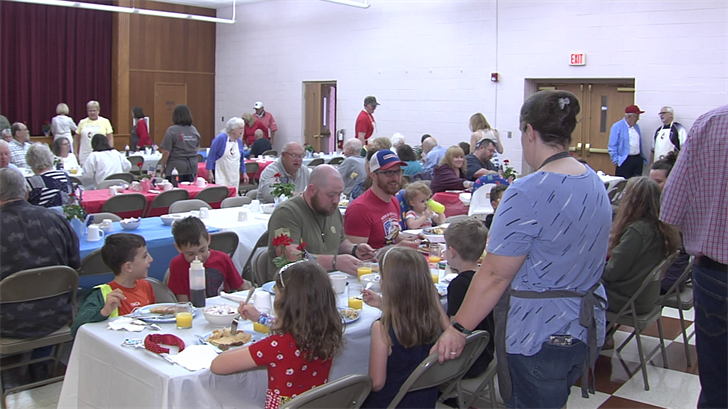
point(586, 319)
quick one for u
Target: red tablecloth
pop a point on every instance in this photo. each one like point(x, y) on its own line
point(93, 200)
point(453, 205)
point(202, 172)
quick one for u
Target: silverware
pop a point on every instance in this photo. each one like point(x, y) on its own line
point(146, 324)
point(236, 321)
point(203, 341)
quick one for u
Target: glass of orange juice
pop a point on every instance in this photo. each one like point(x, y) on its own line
point(435, 257)
point(355, 299)
point(183, 315)
point(364, 267)
point(260, 328)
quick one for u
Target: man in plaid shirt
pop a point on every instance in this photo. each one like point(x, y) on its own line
point(19, 145)
point(695, 200)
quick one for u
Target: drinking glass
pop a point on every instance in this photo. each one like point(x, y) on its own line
point(364, 267)
point(355, 296)
point(183, 315)
point(435, 257)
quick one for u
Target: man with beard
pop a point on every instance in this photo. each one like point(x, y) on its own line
point(314, 218)
point(374, 216)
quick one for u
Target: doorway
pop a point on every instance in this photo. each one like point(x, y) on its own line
point(166, 97)
point(319, 115)
point(602, 104)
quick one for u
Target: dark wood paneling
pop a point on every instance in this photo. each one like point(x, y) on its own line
point(159, 49)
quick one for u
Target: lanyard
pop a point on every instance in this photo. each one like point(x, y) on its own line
point(556, 156)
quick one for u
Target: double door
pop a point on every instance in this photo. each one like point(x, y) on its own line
point(602, 104)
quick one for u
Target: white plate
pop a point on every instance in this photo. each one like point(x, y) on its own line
point(441, 289)
point(256, 337)
point(269, 287)
point(144, 314)
point(348, 320)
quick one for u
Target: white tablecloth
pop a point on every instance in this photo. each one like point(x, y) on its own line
point(149, 160)
point(609, 180)
point(103, 374)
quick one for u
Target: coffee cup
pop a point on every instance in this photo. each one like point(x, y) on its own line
point(338, 281)
point(242, 216)
point(113, 190)
point(94, 233)
point(255, 206)
point(201, 182)
point(262, 302)
point(204, 213)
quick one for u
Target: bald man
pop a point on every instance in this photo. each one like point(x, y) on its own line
point(352, 168)
point(314, 217)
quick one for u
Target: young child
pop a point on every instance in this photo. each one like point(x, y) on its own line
point(305, 336)
point(192, 241)
point(419, 216)
point(126, 255)
point(465, 244)
point(409, 326)
point(496, 192)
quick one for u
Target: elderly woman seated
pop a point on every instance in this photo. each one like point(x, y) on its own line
point(62, 150)
point(48, 187)
point(104, 160)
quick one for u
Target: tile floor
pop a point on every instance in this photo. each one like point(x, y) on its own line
point(618, 380)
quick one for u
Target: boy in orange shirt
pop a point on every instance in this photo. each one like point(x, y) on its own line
point(126, 255)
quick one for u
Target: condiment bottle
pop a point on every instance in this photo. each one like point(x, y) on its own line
point(197, 283)
point(175, 177)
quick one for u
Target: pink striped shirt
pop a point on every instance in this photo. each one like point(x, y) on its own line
point(696, 193)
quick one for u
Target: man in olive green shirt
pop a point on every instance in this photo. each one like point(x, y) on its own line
point(314, 218)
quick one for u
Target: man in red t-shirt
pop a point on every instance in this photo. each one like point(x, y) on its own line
point(374, 217)
point(266, 118)
point(365, 125)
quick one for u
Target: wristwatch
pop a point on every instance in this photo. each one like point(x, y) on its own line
point(353, 249)
point(461, 329)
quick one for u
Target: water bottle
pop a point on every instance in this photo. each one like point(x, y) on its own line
point(197, 283)
point(436, 207)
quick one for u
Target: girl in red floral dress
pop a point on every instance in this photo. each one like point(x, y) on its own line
point(305, 335)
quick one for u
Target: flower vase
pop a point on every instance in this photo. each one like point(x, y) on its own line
point(78, 227)
point(280, 199)
point(309, 154)
point(146, 185)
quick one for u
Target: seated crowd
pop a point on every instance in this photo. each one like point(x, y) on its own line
point(383, 205)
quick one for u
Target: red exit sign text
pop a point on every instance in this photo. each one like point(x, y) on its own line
point(577, 59)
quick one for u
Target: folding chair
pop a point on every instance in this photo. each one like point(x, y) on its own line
point(137, 164)
point(336, 161)
point(200, 158)
point(628, 316)
point(92, 265)
point(225, 241)
point(315, 162)
point(160, 204)
point(348, 392)
point(107, 183)
point(475, 388)
point(260, 267)
point(270, 153)
point(253, 183)
point(213, 194)
point(162, 293)
point(125, 176)
point(235, 201)
point(35, 284)
point(126, 205)
point(99, 217)
point(252, 194)
point(430, 373)
point(681, 301)
point(76, 181)
point(183, 206)
point(248, 268)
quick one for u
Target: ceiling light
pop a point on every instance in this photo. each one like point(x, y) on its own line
point(131, 10)
point(352, 3)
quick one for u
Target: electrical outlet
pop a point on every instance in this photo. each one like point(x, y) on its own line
point(510, 134)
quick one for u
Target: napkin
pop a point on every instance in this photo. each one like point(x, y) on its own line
point(195, 357)
point(239, 296)
point(125, 323)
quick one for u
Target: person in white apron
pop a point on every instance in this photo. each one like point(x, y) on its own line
point(226, 159)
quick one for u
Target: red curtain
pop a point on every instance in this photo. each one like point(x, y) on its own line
point(50, 55)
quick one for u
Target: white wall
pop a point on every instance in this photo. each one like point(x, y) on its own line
point(429, 62)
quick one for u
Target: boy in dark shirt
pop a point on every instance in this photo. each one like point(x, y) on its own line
point(496, 192)
point(465, 244)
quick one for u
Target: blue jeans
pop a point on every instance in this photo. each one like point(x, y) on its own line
point(544, 380)
point(710, 292)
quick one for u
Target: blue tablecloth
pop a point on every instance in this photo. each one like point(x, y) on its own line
point(160, 244)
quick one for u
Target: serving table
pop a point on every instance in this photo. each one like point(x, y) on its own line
point(103, 374)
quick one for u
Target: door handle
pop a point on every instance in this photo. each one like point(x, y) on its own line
point(588, 149)
point(591, 150)
point(577, 148)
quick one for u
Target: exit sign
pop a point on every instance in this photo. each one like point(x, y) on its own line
point(577, 59)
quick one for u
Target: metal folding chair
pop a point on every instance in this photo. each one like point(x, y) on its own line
point(348, 392)
point(225, 241)
point(126, 205)
point(160, 204)
point(213, 194)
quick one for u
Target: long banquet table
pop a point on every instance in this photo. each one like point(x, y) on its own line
point(93, 200)
point(103, 374)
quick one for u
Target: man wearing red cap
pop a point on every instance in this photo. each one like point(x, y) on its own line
point(365, 125)
point(625, 144)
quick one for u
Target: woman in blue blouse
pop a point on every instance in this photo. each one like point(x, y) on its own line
point(546, 253)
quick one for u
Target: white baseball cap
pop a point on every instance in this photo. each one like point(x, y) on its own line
point(258, 105)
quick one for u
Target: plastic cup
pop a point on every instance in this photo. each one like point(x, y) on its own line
point(338, 281)
point(355, 299)
point(183, 315)
point(364, 267)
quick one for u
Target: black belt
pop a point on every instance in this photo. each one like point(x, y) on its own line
point(707, 262)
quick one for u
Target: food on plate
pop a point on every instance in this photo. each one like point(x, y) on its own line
point(162, 309)
point(221, 310)
point(343, 203)
point(435, 230)
point(224, 339)
point(349, 313)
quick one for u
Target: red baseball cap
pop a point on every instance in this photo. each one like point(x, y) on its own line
point(633, 109)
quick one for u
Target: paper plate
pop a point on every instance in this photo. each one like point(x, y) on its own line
point(145, 314)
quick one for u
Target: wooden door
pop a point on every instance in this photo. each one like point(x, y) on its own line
point(319, 114)
point(166, 97)
point(602, 104)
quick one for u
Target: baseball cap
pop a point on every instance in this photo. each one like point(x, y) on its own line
point(384, 159)
point(371, 100)
point(633, 109)
point(258, 105)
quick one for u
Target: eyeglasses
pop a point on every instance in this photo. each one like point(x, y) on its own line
point(294, 156)
point(663, 113)
point(284, 268)
point(389, 173)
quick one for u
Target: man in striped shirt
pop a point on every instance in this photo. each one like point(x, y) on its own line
point(695, 200)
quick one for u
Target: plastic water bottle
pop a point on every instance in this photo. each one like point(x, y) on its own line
point(197, 283)
point(436, 207)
